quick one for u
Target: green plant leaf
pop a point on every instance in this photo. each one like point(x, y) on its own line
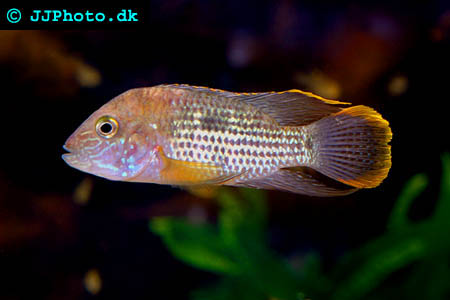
point(257, 200)
point(197, 245)
point(242, 223)
point(242, 215)
point(230, 218)
point(312, 279)
point(412, 189)
point(229, 288)
point(267, 271)
point(369, 274)
point(252, 271)
point(442, 214)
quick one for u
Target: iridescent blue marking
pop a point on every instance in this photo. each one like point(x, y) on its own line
point(111, 167)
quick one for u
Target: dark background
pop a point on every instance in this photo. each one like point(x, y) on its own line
point(390, 55)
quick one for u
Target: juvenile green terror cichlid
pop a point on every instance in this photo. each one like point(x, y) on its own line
point(194, 136)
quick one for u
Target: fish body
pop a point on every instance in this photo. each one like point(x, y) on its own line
point(193, 136)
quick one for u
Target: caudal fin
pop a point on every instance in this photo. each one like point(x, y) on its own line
point(352, 146)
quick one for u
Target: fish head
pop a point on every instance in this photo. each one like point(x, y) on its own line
point(116, 141)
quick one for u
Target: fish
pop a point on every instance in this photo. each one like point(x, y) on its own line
point(190, 136)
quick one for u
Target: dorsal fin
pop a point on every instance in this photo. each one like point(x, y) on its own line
point(288, 108)
point(201, 89)
point(293, 107)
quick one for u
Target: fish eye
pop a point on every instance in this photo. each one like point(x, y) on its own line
point(106, 127)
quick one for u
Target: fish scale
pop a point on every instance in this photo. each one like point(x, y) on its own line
point(194, 136)
point(217, 130)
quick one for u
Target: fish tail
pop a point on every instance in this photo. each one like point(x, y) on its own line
point(351, 146)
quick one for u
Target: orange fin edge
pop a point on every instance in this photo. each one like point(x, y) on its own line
point(354, 147)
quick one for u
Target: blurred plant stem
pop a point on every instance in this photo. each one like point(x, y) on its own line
point(237, 250)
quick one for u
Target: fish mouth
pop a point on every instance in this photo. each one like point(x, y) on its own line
point(68, 157)
point(67, 149)
point(73, 159)
point(76, 159)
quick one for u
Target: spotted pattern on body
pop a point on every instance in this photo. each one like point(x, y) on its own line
point(183, 135)
point(232, 134)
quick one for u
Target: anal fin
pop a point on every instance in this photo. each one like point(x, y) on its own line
point(301, 180)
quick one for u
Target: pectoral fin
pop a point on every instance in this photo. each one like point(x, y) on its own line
point(179, 172)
